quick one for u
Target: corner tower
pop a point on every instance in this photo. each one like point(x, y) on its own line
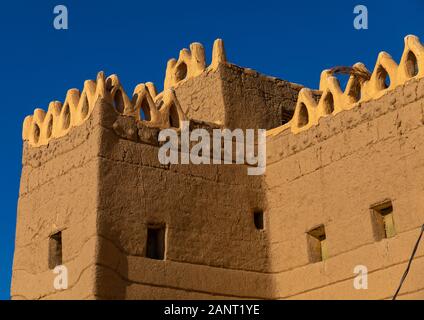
point(95, 198)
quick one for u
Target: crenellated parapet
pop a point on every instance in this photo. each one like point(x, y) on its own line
point(154, 110)
point(192, 63)
point(333, 99)
point(161, 111)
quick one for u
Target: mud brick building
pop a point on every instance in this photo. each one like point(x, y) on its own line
point(344, 186)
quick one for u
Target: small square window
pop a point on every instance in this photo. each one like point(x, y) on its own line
point(317, 244)
point(155, 246)
point(258, 219)
point(55, 250)
point(382, 220)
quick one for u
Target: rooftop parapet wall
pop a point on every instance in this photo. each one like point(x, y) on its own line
point(222, 93)
point(333, 100)
point(192, 63)
point(145, 105)
point(155, 110)
point(226, 95)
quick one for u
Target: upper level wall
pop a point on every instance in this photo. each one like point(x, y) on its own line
point(331, 174)
point(257, 101)
point(58, 192)
point(212, 246)
point(237, 97)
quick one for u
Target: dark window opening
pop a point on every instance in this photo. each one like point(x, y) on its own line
point(383, 79)
point(66, 117)
point(411, 64)
point(317, 245)
point(303, 117)
point(181, 72)
point(383, 222)
point(49, 127)
point(355, 89)
point(118, 101)
point(36, 133)
point(145, 110)
point(84, 108)
point(328, 103)
point(109, 85)
point(155, 248)
point(258, 219)
point(55, 250)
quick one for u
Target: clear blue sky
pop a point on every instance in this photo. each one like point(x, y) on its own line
point(293, 40)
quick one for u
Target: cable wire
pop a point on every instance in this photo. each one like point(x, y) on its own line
point(409, 263)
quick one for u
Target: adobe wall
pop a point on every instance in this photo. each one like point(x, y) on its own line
point(93, 173)
point(237, 97)
point(331, 174)
point(104, 185)
point(58, 192)
point(212, 247)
